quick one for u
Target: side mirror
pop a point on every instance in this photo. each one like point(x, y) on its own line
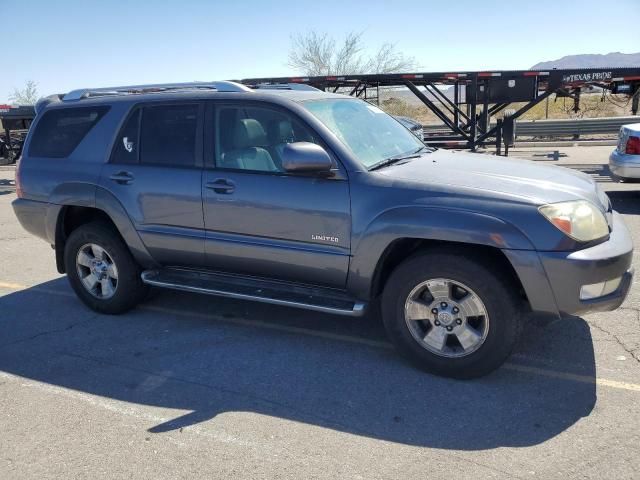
point(306, 157)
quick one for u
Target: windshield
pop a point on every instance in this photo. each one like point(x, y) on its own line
point(372, 135)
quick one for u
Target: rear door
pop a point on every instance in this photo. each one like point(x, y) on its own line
point(155, 171)
point(261, 220)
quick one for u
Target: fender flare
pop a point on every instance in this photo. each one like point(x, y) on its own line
point(425, 223)
point(91, 196)
point(73, 194)
point(109, 204)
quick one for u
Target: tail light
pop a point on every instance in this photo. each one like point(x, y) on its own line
point(633, 146)
point(19, 192)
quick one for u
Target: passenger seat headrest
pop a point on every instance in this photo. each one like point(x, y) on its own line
point(249, 133)
point(281, 132)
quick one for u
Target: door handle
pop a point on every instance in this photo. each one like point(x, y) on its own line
point(221, 185)
point(123, 178)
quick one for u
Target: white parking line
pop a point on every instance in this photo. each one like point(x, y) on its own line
point(601, 382)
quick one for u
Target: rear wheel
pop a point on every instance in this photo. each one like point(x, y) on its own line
point(101, 269)
point(450, 314)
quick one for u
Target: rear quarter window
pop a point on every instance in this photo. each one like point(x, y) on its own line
point(60, 131)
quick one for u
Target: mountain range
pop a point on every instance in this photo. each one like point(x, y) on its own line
point(591, 60)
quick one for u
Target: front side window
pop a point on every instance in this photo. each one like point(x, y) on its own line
point(253, 138)
point(60, 131)
point(168, 135)
point(371, 134)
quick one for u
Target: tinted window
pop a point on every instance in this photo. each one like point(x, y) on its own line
point(253, 138)
point(127, 145)
point(168, 135)
point(60, 131)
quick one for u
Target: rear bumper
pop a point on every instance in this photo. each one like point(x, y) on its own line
point(567, 272)
point(32, 215)
point(625, 166)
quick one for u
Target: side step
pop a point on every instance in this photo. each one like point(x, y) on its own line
point(256, 289)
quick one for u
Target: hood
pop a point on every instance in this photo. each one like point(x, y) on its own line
point(531, 182)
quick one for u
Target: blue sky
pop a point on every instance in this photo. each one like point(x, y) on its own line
point(70, 44)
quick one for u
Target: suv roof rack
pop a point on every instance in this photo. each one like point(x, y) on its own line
point(283, 86)
point(220, 86)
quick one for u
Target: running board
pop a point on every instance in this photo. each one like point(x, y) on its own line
point(288, 294)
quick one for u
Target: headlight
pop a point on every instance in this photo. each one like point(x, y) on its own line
point(579, 219)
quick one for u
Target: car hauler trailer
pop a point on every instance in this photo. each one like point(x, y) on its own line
point(473, 98)
point(15, 121)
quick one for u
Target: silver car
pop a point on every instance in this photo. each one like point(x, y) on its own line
point(624, 161)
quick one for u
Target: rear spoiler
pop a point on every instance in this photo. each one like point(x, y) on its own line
point(43, 102)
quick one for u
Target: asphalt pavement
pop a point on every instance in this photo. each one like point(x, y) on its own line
point(189, 386)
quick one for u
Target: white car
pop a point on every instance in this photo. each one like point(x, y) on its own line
point(624, 161)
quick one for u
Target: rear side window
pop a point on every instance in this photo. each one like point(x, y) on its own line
point(60, 131)
point(168, 135)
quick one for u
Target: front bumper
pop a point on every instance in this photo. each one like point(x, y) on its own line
point(623, 165)
point(567, 272)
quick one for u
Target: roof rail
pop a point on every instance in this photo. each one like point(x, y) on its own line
point(220, 86)
point(284, 86)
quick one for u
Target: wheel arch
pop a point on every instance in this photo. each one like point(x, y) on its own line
point(403, 248)
point(106, 208)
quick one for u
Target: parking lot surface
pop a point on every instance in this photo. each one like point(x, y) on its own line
point(190, 386)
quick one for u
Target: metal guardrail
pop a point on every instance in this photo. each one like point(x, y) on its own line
point(573, 127)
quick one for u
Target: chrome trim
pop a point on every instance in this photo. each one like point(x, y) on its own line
point(358, 309)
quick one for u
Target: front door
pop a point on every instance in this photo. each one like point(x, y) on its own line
point(155, 171)
point(261, 221)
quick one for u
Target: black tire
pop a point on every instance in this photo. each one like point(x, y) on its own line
point(130, 289)
point(625, 179)
point(502, 303)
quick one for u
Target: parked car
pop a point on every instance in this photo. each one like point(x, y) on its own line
point(318, 201)
point(412, 125)
point(624, 161)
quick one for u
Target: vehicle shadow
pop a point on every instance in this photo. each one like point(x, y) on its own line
point(210, 356)
point(625, 201)
point(7, 186)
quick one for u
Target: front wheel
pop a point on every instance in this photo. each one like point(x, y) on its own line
point(450, 314)
point(101, 269)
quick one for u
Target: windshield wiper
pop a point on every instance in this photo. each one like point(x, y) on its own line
point(391, 160)
point(423, 147)
point(385, 163)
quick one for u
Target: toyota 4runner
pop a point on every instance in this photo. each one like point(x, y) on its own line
point(297, 197)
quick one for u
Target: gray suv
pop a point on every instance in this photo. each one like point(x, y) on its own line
point(313, 200)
